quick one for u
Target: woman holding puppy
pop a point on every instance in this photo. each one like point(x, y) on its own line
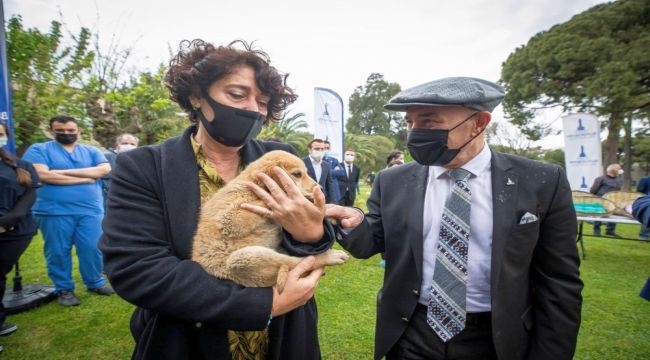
point(182, 312)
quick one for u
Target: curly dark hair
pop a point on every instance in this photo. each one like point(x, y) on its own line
point(198, 64)
point(23, 177)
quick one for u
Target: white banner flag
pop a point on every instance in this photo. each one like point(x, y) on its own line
point(582, 150)
point(328, 119)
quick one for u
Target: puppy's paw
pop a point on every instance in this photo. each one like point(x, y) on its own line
point(337, 257)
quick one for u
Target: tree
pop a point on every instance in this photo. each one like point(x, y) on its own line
point(43, 74)
point(371, 150)
point(141, 107)
point(508, 138)
point(367, 113)
point(596, 62)
point(289, 130)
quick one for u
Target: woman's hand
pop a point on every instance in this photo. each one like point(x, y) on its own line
point(300, 286)
point(288, 207)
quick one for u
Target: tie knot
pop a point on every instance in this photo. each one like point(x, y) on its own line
point(459, 174)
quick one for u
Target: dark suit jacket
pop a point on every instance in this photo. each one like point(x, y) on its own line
point(641, 210)
point(325, 178)
point(535, 284)
point(644, 185)
point(182, 311)
point(348, 183)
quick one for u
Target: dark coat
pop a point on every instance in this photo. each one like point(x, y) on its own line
point(641, 210)
point(182, 311)
point(325, 179)
point(348, 184)
point(535, 284)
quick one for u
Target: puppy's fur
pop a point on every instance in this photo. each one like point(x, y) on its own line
point(236, 244)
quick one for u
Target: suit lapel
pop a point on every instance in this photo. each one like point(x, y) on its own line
point(414, 206)
point(310, 167)
point(181, 192)
point(505, 185)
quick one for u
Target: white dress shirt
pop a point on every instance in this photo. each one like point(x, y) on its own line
point(317, 168)
point(439, 187)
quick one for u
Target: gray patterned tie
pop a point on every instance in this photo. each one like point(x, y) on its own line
point(446, 310)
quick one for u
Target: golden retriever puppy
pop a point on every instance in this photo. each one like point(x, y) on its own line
point(236, 244)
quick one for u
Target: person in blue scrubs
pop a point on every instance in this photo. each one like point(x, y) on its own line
point(69, 207)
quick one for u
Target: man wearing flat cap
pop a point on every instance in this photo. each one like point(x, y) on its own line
point(481, 260)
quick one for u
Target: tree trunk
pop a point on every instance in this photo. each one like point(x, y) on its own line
point(610, 152)
point(627, 158)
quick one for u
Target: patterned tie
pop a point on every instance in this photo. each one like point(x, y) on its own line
point(349, 171)
point(446, 310)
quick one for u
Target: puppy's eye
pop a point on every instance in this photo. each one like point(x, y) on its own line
point(297, 174)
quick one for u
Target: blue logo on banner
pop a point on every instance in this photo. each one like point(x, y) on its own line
point(326, 114)
point(580, 126)
point(582, 152)
point(583, 185)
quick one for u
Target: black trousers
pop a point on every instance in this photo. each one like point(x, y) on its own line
point(419, 342)
point(347, 199)
point(10, 251)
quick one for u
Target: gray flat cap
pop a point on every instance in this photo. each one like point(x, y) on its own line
point(469, 92)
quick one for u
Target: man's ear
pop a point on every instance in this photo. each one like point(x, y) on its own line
point(483, 119)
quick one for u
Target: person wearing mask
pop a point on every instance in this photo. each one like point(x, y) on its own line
point(69, 207)
point(18, 184)
point(335, 168)
point(603, 184)
point(123, 143)
point(348, 179)
point(182, 312)
point(318, 169)
point(481, 260)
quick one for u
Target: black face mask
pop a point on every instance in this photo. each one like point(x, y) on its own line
point(65, 139)
point(231, 126)
point(429, 146)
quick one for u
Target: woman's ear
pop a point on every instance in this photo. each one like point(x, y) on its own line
point(196, 102)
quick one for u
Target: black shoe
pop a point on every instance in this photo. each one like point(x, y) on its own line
point(597, 232)
point(7, 329)
point(612, 234)
point(67, 298)
point(104, 290)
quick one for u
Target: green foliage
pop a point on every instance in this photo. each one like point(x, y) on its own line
point(289, 130)
point(371, 151)
point(43, 76)
point(367, 113)
point(141, 107)
point(614, 317)
point(596, 62)
point(554, 157)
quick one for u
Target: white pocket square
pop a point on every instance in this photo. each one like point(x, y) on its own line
point(528, 218)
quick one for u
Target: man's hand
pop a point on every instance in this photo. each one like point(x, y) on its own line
point(345, 217)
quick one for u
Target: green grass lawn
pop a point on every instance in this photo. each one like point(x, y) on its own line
point(616, 321)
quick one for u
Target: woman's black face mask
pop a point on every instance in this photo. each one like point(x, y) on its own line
point(429, 146)
point(231, 126)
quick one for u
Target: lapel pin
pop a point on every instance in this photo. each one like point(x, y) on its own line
point(510, 182)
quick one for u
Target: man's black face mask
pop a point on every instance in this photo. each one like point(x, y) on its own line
point(429, 146)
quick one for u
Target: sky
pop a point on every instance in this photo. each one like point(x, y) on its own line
point(335, 44)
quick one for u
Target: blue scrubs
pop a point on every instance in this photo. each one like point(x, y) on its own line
point(70, 215)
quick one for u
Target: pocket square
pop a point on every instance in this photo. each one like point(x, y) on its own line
point(528, 218)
